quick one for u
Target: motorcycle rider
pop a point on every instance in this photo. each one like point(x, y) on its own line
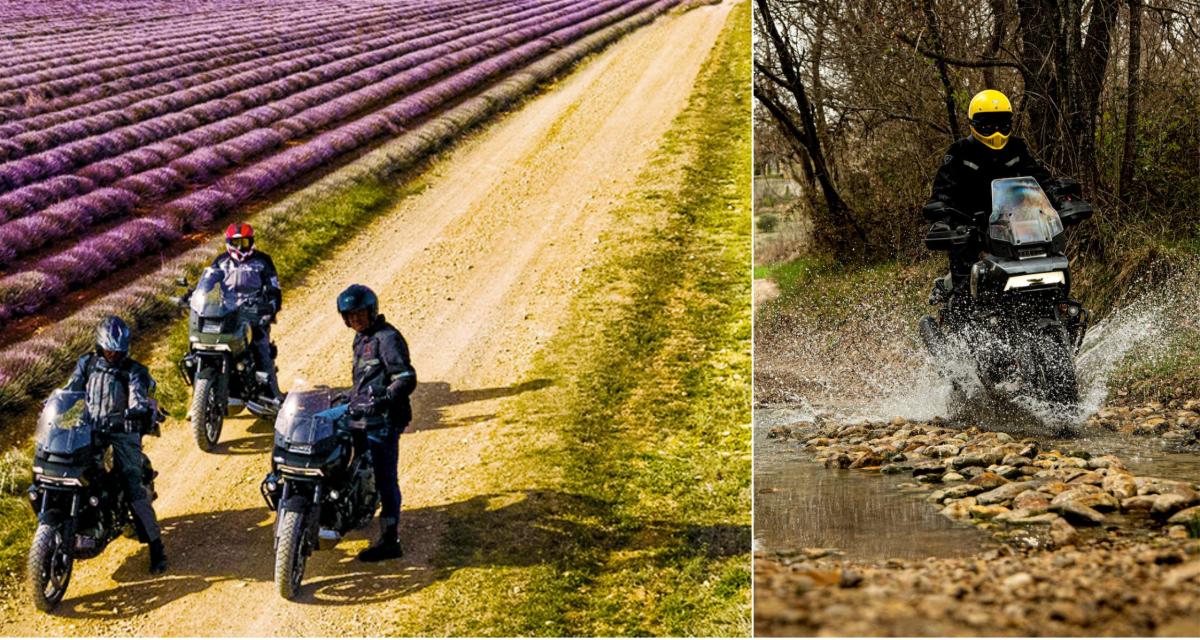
point(250, 275)
point(117, 391)
point(964, 181)
point(383, 380)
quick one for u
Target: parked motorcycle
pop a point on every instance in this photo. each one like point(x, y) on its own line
point(220, 365)
point(1014, 318)
point(77, 496)
point(321, 484)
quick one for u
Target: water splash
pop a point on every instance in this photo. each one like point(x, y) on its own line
point(872, 367)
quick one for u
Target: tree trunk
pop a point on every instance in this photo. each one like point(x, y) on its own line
point(943, 72)
point(1129, 150)
point(806, 132)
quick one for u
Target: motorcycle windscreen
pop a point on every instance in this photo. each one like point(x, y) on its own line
point(64, 426)
point(1021, 213)
point(307, 417)
point(211, 298)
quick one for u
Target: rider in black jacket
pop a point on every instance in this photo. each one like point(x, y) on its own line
point(964, 181)
point(251, 276)
point(383, 379)
point(118, 390)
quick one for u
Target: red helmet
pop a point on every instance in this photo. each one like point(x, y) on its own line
point(239, 241)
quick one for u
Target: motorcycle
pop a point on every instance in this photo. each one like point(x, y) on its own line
point(1014, 317)
point(220, 365)
point(76, 494)
point(321, 485)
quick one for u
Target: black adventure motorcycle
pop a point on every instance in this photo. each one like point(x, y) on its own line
point(78, 497)
point(220, 365)
point(321, 485)
point(1014, 318)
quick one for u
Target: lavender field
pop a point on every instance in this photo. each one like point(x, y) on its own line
point(127, 128)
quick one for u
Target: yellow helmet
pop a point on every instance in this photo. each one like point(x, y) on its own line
point(991, 118)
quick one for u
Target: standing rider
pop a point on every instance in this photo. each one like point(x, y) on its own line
point(964, 181)
point(383, 379)
point(117, 392)
point(252, 278)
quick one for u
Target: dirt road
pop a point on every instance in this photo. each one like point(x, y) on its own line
point(476, 271)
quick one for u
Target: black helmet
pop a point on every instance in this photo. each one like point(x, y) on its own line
point(113, 335)
point(356, 297)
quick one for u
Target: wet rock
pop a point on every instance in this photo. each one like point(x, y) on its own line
point(1138, 503)
point(1062, 533)
point(972, 472)
point(988, 480)
point(868, 459)
point(1078, 514)
point(972, 460)
point(1032, 501)
point(850, 579)
point(944, 451)
point(959, 509)
point(1120, 485)
point(1034, 519)
point(1168, 503)
point(952, 476)
point(895, 467)
point(1089, 477)
point(1013, 460)
point(1029, 450)
point(959, 491)
point(1005, 471)
point(1006, 492)
point(986, 511)
point(929, 468)
point(1097, 499)
point(1186, 516)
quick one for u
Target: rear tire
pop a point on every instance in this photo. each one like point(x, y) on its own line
point(290, 555)
point(49, 566)
point(208, 415)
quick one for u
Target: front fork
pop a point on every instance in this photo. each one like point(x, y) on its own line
point(285, 497)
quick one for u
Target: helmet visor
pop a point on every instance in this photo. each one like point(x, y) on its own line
point(240, 244)
point(994, 122)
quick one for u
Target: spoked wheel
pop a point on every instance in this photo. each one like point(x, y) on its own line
point(50, 564)
point(291, 553)
point(208, 414)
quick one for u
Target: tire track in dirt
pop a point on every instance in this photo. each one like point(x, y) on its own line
point(476, 271)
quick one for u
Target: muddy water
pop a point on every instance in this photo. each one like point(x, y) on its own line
point(800, 504)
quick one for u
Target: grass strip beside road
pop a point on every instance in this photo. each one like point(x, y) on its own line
point(620, 504)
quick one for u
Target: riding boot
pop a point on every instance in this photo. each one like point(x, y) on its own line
point(386, 548)
point(158, 556)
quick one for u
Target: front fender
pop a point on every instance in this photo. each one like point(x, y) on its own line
point(53, 517)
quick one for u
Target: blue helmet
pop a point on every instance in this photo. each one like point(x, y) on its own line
point(113, 335)
point(356, 297)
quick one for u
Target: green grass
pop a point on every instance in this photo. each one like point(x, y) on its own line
point(630, 516)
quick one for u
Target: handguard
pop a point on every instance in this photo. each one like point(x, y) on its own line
point(943, 237)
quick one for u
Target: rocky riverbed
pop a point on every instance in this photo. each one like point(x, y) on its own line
point(1085, 545)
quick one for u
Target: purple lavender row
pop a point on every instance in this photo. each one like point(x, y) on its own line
point(343, 78)
point(233, 27)
point(329, 104)
point(166, 31)
point(28, 292)
point(127, 36)
point(92, 99)
point(74, 125)
point(246, 48)
point(62, 80)
point(68, 156)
